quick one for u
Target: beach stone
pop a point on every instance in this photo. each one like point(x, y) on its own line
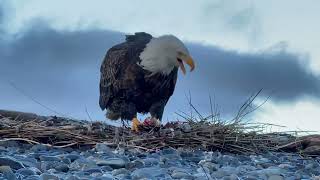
point(185, 127)
point(46, 176)
point(9, 161)
point(210, 166)
point(7, 172)
point(29, 162)
point(271, 171)
point(181, 175)
point(102, 148)
point(62, 167)
point(231, 177)
point(72, 177)
point(148, 173)
point(32, 177)
point(26, 172)
point(106, 168)
point(46, 165)
point(93, 170)
point(228, 160)
point(286, 166)
point(275, 177)
point(39, 147)
point(49, 158)
point(66, 161)
point(72, 157)
point(169, 151)
point(151, 162)
point(3, 149)
point(105, 177)
point(135, 164)
point(220, 174)
point(115, 163)
point(82, 164)
point(116, 172)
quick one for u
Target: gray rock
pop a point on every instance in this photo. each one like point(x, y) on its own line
point(46, 165)
point(32, 177)
point(93, 170)
point(168, 151)
point(3, 149)
point(9, 161)
point(39, 147)
point(228, 160)
point(115, 163)
point(148, 173)
point(185, 127)
point(7, 172)
point(106, 168)
point(82, 164)
point(117, 172)
point(151, 162)
point(62, 167)
point(210, 166)
point(181, 175)
point(72, 157)
point(285, 166)
point(105, 177)
point(275, 177)
point(220, 174)
point(49, 158)
point(29, 162)
point(72, 177)
point(231, 177)
point(135, 164)
point(26, 172)
point(66, 161)
point(271, 171)
point(46, 176)
point(102, 148)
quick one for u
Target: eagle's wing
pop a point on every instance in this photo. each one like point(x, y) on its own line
point(120, 74)
point(110, 70)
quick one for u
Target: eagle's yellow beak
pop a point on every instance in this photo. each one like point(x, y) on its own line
point(188, 60)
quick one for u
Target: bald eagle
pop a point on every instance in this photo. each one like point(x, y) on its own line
point(140, 74)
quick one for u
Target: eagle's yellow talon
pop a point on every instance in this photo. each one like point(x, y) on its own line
point(135, 124)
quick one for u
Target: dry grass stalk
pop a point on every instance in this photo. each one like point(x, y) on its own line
point(207, 133)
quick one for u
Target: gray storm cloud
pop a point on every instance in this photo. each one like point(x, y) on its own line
point(61, 69)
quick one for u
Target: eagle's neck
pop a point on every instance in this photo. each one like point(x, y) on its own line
point(156, 58)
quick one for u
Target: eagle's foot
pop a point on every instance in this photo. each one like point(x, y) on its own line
point(135, 125)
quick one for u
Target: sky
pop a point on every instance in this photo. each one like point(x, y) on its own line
point(51, 51)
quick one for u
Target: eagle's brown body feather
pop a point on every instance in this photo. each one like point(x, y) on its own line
point(126, 88)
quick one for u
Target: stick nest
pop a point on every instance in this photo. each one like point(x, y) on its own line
point(60, 132)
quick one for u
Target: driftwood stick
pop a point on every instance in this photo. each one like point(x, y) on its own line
point(19, 115)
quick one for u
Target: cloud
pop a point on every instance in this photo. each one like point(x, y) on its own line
point(1, 18)
point(277, 70)
point(61, 70)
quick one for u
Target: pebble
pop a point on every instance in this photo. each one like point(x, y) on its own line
point(7, 172)
point(103, 163)
point(275, 177)
point(102, 148)
point(46, 176)
point(181, 175)
point(49, 158)
point(120, 171)
point(9, 161)
point(62, 168)
point(115, 163)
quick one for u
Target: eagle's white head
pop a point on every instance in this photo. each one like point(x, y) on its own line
point(164, 53)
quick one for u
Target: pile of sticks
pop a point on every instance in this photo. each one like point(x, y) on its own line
point(206, 135)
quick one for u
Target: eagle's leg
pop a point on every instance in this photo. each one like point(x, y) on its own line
point(135, 124)
point(156, 112)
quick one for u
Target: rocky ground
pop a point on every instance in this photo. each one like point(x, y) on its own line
point(33, 162)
